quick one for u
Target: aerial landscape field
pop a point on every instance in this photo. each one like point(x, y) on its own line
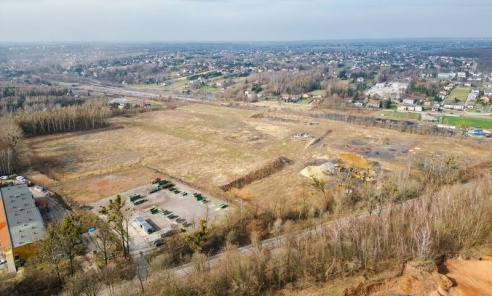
point(210, 146)
point(245, 148)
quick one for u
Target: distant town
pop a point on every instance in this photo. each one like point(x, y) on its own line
point(434, 80)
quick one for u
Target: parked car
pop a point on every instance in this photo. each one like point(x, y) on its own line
point(39, 188)
point(2, 261)
point(20, 178)
point(4, 177)
point(158, 243)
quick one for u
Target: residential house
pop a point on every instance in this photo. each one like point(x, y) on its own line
point(290, 98)
point(455, 107)
point(443, 94)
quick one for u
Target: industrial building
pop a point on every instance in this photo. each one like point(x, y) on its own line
point(21, 224)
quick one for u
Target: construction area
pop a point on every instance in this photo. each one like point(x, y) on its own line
point(163, 208)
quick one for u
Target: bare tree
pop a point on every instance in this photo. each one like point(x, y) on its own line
point(103, 239)
point(119, 219)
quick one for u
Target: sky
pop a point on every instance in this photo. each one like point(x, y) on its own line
point(239, 20)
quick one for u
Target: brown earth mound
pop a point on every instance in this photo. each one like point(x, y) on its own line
point(453, 277)
point(265, 171)
point(470, 277)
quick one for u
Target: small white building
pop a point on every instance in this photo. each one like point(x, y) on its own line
point(409, 101)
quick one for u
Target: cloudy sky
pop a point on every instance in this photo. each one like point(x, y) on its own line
point(240, 20)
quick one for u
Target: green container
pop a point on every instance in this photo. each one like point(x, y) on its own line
point(134, 197)
point(140, 201)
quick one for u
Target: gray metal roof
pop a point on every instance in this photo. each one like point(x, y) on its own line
point(144, 224)
point(23, 217)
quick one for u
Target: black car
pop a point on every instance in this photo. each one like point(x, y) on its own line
point(158, 243)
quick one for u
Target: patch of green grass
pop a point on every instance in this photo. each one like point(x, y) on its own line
point(320, 92)
point(209, 89)
point(470, 121)
point(177, 84)
point(304, 101)
point(401, 115)
point(460, 93)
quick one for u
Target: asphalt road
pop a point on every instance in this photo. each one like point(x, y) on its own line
point(272, 243)
point(120, 91)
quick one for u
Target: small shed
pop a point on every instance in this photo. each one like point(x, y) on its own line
point(144, 225)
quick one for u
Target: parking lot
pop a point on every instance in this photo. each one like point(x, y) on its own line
point(171, 210)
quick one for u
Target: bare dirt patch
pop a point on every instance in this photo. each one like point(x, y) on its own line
point(93, 189)
point(470, 277)
point(454, 277)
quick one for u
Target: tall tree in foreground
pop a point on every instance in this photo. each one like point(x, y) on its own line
point(104, 239)
point(69, 236)
point(119, 219)
point(50, 252)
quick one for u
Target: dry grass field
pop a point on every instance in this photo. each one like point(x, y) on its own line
point(210, 146)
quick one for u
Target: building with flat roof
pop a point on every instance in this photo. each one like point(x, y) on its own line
point(21, 224)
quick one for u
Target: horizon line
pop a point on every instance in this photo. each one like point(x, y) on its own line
point(250, 41)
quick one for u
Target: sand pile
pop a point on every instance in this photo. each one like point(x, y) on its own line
point(315, 172)
point(355, 160)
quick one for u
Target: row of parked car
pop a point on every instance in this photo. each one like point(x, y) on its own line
point(21, 179)
point(18, 178)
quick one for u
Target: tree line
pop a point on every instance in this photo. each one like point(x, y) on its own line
point(11, 144)
point(33, 98)
point(64, 119)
